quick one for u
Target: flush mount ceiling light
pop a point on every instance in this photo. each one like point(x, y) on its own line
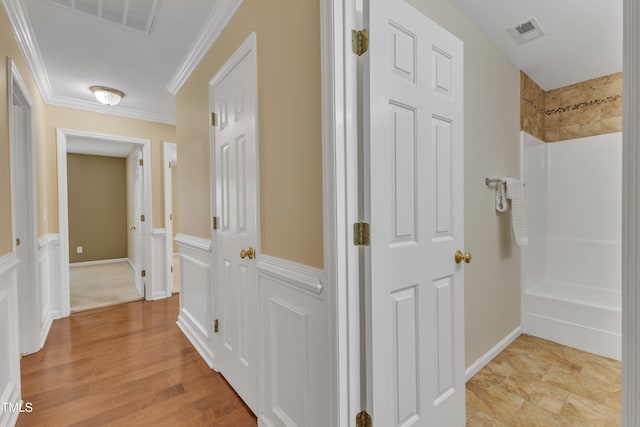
point(107, 95)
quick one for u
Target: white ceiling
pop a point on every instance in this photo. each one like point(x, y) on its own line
point(98, 147)
point(583, 38)
point(78, 50)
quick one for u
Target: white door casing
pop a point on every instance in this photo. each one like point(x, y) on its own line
point(138, 204)
point(233, 97)
point(23, 205)
point(63, 211)
point(170, 156)
point(414, 168)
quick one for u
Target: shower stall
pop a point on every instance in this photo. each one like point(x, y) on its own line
point(571, 268)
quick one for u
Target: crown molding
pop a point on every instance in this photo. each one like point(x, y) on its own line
point(113, 110)
point(21, 26)
point(216, 22)
point(23, 31)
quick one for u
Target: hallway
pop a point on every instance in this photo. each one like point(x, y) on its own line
point(125, 365)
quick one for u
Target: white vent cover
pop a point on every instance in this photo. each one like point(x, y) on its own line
point(525, 31)
point(136, 14)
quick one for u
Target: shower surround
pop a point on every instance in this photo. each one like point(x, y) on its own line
point(571, 269)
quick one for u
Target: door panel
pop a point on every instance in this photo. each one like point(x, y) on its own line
point(235, 149)
point(413, 133)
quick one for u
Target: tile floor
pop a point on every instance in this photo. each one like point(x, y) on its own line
point(535, 382)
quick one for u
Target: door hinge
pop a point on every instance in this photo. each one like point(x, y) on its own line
point(141, 218)
point(169, 165)
point(361, 234)
point(213, 119)
point(141, 162)
point(215, 326)
point(172, 268)
point(170, 217)
point(143, 273)
point(363, 419)
point(215, 222)
point(17, 242)
point(360, 41)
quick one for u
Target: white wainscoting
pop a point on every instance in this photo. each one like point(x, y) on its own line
point(159, 284)
point(194, 319)
point(9, 344)
point(295, 376)
point(50, 291)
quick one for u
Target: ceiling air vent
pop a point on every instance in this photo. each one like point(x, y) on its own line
point(526, 31)
point(138, 15)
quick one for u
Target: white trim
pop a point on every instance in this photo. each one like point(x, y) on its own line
point(340, 204)
point(186, 325)
point(158, 232)
point(21, 26)
point(194, 242)
point(48, 239)
point(631, 216)
point(133, 267)
point(97, 262)
point(169, 161)
point(8, 262)
point(215, 24)
point(484, 360)
point(300, 276)
point(25, 36)
point(63, 209)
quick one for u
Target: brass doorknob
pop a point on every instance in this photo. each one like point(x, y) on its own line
point(248, 253)
point(460, 256)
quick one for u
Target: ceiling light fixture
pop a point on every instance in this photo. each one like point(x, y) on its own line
point(107, 95)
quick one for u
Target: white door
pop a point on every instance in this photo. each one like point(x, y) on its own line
point(414, 130)
point(138, 226)
point(234, 100)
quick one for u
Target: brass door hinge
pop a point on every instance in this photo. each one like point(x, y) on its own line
point(172, 268)
point(170, 217)
point(363, 419)
point(361, 234)
point(360, 41)
point(143, 273)
point(169, 165)
point(17, 242)
point(141, 218)
point(141, 162)
point(213, 119)
point(215, 221)
point(215, 326)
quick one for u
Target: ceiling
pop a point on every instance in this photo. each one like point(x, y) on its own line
point(583, 38)
point(72, 50)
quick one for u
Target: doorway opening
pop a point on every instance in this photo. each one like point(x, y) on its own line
point(121, 270)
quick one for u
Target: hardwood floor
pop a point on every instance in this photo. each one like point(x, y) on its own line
point(535, 382)
point(126, 365)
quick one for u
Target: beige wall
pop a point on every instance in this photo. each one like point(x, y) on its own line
point(69, 118)
point(289, 128)
point(9, 48)
point(491, 148)
point(97, 189)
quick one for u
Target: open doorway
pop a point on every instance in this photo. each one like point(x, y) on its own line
point(104, 211)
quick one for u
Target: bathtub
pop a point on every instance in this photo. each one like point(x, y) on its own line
point(570, 270)
point(583, 317)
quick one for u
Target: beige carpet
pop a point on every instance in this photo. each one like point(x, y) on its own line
point(101, 285)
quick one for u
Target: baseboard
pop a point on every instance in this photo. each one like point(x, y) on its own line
point(484, 360)
point(49, 318)
point(160, 295)
point(98, 262)
point(133, 267)
point(200, 347)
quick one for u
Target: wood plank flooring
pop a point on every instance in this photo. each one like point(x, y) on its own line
point(126, 365)
point(535, 382)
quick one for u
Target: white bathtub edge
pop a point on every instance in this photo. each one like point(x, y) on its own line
point(596, 341)
point(484, 360)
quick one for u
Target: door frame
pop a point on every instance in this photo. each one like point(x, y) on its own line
point(30, 299)
point(63, 208)
point(170, 157)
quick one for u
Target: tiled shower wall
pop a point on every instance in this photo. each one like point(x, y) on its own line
point(592, 107)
